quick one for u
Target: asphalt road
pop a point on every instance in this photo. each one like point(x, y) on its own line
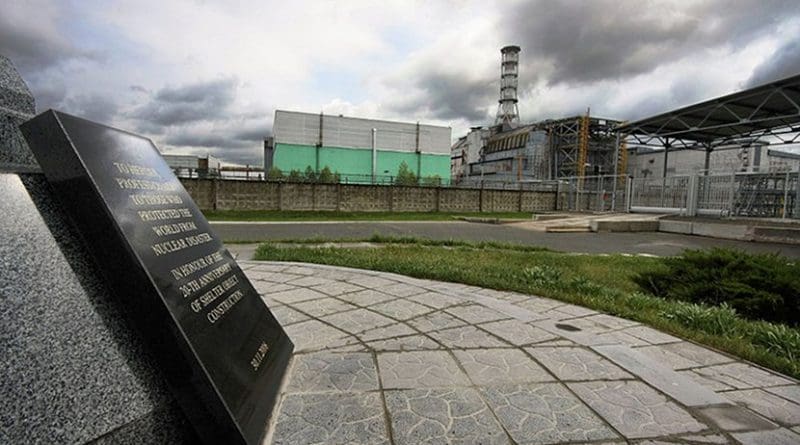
point(654, 243)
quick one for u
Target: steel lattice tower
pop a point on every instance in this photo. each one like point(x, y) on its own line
point(507, 111)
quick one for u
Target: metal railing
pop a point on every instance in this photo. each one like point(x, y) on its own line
point(393, 180)
point(760, 195)
point(603, 193)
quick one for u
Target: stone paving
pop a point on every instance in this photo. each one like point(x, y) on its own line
point(387, 359)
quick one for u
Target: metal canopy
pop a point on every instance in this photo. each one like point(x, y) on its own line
point(769, 111)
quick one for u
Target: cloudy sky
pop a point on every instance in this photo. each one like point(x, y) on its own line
point(206, 76)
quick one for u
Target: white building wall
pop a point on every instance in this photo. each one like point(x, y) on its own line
point(686, 162)
point(291, 127)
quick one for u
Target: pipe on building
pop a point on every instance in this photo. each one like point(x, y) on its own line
point(374, 154)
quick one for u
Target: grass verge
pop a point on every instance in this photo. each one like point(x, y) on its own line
point(601, 282)
point(270, 215)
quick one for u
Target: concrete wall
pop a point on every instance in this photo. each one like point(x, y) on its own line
point(210, 194)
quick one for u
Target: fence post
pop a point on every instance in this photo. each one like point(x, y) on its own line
point(519, 195)
point(338, 197)
point(628, 193)
point(214, 194)
point(280, 195)
point(691, 195)
point(785, 195)
point(732, 198)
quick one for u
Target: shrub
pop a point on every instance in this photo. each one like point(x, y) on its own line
point(310, 175)
point(326, 176)
point(761, 287)
point(432, 180)
point(295, 176)
point(405, 176)
point(274, 174)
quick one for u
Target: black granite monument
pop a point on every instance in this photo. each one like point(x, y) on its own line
point(213, 339)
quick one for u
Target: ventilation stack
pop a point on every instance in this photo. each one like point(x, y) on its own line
point(507, 111)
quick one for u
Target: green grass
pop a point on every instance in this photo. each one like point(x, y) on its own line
point(600, 282)
point(274, 215)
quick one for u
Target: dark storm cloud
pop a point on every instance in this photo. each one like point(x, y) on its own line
point(203, 139)
point(93, 107)
point(578, 43)
point(255, 134)
point(449, 96)
point(34, 42)
point(609, 39)
point(784, 62)
point(202, 101)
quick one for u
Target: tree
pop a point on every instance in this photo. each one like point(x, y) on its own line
point(405, 176)
point(309, 174)
point(295, 176)
point(274, 174)
point(326, 176)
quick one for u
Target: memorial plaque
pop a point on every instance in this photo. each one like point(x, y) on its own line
point(217, 343)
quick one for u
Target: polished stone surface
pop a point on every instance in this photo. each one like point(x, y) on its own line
point(73, 369)
point(421, 361)
point(212, 336)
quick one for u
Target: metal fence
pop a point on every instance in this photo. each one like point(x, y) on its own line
point(603, 193)
point(764, 195)
point(429, 181)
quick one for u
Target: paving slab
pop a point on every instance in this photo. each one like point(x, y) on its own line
point(517, 333)
point(735, 418)
point(487, 367)
point(453, 415)
point(768, 405)
point(467, 337)
point(677, 386)
point(636, 410)
point(545, 413)
point(577, 364)
point(771, 437)
point(422, 369)
point(334, 418)
point(329, 371)
point(382, 358)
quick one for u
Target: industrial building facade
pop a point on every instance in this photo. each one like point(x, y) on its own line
point(551, 149)
point(359, 150)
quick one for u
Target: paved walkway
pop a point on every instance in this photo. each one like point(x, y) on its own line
point(387, 359)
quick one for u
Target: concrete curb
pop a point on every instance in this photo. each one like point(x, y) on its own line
point(740, 232)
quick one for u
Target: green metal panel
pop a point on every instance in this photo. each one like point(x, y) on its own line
point(358, 162)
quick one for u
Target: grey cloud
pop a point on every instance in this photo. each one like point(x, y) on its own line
point(253, 156)
point(93, 107)
point(189, 103)
point(449, 96)
point(611, 39)
point(49, 94)
point(255, 134)
point(204, 139)
point(35, 44)
point(784, 62)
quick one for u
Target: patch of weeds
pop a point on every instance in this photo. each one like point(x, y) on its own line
point(542, 276)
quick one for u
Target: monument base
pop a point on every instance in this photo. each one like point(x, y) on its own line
point(74, 371)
